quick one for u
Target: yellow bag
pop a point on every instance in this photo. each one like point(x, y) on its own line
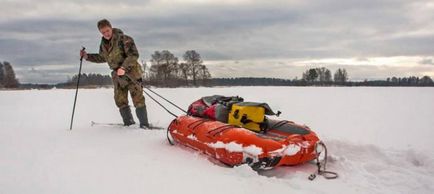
point(247, 115)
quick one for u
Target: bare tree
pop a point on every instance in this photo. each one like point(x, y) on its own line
point(170, 63)
point(324, 75)
point(185, 71)
point(145, 75)
point(164, 66)
point(193, 58)
point(341, 76)
point(203, 74)
point(156, 71)
point(166, 70)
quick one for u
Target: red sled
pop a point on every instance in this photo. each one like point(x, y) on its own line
point(281, 143)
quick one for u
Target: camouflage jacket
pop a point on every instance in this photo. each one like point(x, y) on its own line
point(119, 51)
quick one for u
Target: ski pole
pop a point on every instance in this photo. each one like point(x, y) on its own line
point(76, 90)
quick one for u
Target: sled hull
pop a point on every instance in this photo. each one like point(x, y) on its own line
point(285, 144)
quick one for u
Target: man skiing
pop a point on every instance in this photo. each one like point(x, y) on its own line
point(120, 52)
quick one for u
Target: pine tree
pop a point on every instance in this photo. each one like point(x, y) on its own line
point(426, 81)
point(310, 75)
point(2, 75)
point(9, 79)
point(328, 76)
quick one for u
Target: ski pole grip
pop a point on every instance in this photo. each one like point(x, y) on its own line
point(82, 49)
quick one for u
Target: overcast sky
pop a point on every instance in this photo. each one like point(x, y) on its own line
point(372, 39)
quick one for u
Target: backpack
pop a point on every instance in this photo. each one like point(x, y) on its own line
point(250, 115)
point(213, 107)
point(232, 110)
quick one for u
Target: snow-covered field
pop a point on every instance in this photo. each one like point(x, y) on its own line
point(380, 140)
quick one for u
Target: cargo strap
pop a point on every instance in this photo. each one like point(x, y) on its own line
point(194, 125)
point(245, 120)
point(323, 172)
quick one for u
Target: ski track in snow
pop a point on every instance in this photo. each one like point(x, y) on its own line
point(38, 153)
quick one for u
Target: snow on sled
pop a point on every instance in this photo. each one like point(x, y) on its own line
point(237, 132)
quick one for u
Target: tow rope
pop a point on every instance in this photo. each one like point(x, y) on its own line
point(162, 106)
point(156, 101)
point(163, 98)
point(322, 172)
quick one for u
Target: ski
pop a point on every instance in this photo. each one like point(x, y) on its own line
point(151, 127)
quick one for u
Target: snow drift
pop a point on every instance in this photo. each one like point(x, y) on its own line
point(379, 141)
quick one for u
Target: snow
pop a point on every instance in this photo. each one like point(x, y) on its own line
point(253, 150)
point(236, 147)
point(292, 149)
point(380, 140)
point(192, 137)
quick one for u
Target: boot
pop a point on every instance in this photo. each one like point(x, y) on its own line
point(126, 116)
point(142, 115)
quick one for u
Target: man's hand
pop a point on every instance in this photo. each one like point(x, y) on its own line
point(83, 54)
point(120, 71)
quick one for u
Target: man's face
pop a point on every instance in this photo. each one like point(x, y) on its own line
point(107, 32)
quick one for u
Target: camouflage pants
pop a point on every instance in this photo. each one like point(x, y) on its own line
point(121, 93)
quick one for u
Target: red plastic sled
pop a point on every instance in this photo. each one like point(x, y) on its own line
point(283, 143)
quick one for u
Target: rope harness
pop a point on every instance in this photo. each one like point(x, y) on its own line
point(163, 98)
point(156, 101)
point(323, 172)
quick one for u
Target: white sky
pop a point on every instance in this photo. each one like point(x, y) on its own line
point(373, 39)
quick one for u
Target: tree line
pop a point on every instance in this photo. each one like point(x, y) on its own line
point(410, 81)
point(255, 81)
point(322, 77)
point(7, 76)
point(311, 77)
point(166, 70)
point(92, 79)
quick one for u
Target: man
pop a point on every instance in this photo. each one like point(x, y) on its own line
point(120, 52)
